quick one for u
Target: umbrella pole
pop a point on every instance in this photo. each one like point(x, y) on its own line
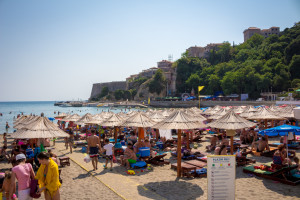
point(179, 154)
point(115, 134)
point(188, 140)
point(157, 134)
point(272, 123)
point(266, 123)
point(231, 145)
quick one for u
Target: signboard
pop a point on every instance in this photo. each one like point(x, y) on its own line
point(290, 94)
point(221, 177)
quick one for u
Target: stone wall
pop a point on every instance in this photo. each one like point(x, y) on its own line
point(112, 86)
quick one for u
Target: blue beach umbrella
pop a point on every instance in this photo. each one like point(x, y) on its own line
point(281, 130)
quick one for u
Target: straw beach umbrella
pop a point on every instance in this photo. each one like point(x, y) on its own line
point(139, 120)
point(114, 121)
point(266, 114)
point(231, 121)
point(26, 121)
point(179, 120)
point(85, 119)
point(71, 118)
point(40, 128)
point(61, 116)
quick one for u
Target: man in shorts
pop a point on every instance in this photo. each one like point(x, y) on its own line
point(260, 145)
point(109, 148)
point(93, 146)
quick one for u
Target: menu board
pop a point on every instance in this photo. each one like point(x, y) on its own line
point(221, 177)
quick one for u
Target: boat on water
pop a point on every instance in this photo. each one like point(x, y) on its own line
point(65, 105)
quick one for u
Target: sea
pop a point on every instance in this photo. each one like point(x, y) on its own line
point(10, 110)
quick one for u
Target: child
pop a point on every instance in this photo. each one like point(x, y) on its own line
point(6, 186)
point(296, 159)
point(109, 148)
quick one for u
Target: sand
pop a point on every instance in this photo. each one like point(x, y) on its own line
point(80, 182)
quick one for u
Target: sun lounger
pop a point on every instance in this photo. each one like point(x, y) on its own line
point(158, 160)
point(282, 175)
point(185, 168)
point(197, 163)
point(290, 146)
point(242, 160)
point(64, 161)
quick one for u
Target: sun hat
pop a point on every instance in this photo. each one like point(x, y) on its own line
point(20, 156)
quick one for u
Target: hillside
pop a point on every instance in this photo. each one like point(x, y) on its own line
point(260, 64)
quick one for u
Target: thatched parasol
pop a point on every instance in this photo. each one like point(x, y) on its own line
point(114, 121)
point(61, 116)
point(85, 119)
point(139, 119)
point(218, 114)
point(42, 127)
point(231, 121)
point(71, 118)
point(25, 122)
point(18, 120)
point(179, 120)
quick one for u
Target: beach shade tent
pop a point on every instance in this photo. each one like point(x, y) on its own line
point(282, 130)
point(71, 118)
point(39, 128)
point(139, 120)
point(156, 116)
point(218, 114)
point(114, 121)
point(61, 116)
point(231, 121)
point(287, 112)
point(238, 109)
point(20, 119)
point(248, 111)
point(179, 120)
point(26, 122)
point(266, 114)
point(85, 119)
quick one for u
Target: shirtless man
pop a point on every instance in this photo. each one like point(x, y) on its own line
point(129, 156)
point(260, 145)
point(93, 146)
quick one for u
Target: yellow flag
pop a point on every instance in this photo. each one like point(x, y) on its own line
point(200, 88)
point(148, 100)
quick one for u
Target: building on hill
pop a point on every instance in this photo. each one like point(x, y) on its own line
point(170, 74)
point(203, 52)
point(248, 33)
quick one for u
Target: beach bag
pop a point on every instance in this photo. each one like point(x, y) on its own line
point(87, 158)
point(114, 159)
point(34, 187)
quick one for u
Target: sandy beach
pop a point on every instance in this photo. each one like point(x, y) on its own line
point(80, 182)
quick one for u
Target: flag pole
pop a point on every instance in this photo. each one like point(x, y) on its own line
point(199, 97)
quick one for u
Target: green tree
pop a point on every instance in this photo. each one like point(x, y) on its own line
point(295, 67)
point(157, 84)
point(118, 94)
point(193, 82)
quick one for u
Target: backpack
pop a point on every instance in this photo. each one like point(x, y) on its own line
point(34, 187)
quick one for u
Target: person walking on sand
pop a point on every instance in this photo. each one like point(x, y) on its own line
point(93, 146)
point(23, 172)
point(109, 148)
point(48, 177)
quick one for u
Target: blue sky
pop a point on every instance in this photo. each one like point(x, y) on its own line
point(56, 50)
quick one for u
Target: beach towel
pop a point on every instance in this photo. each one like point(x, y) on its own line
point(138, 164)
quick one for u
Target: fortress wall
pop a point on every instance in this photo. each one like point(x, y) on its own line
point(112, 86)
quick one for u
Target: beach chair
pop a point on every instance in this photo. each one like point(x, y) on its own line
point(64, 161)
point(282, 175)
point(243, 160)
point(197, 163)
point(158, 160)
point(186, 169)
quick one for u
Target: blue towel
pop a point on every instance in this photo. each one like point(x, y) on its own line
point(138, 164)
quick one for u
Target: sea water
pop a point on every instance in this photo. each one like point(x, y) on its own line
point(10, 110)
